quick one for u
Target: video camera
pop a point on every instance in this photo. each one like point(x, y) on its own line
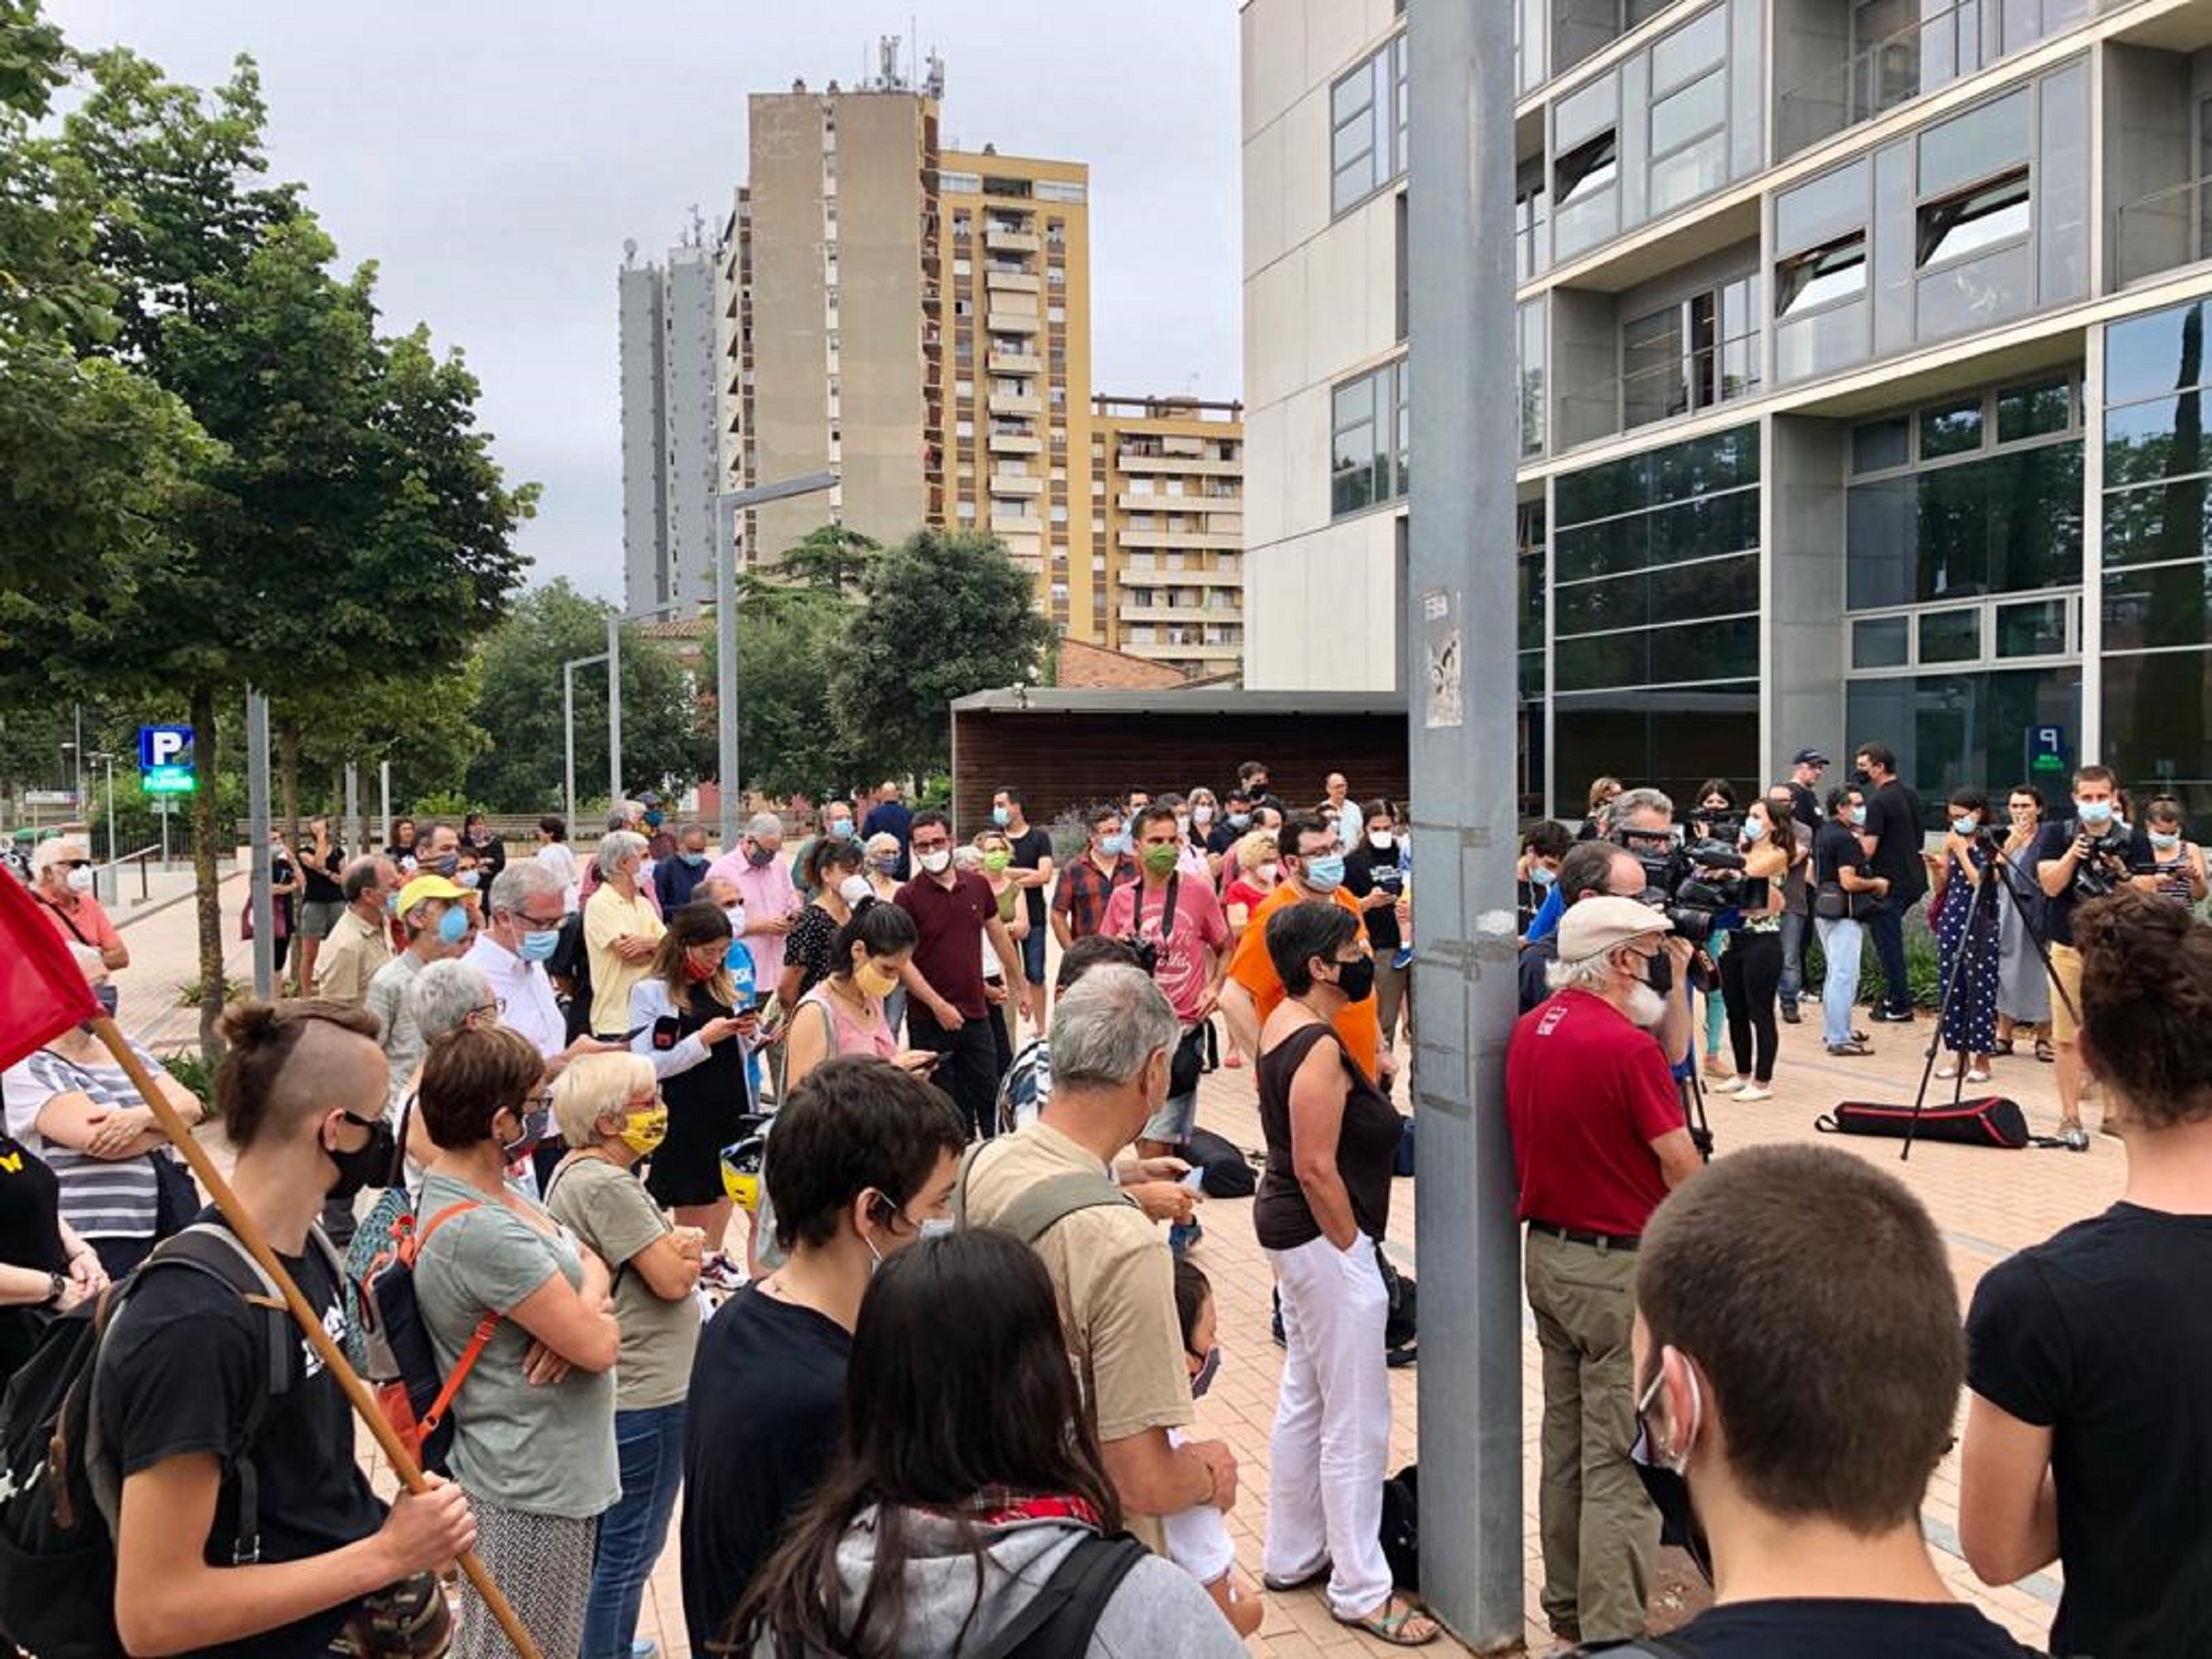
point(1697, 882)
point(2103, 867)
point(1147, 953)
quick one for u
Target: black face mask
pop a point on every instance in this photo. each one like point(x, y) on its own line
point(370, 1165)
point(1669, 1492)
point(1356, 979)
point(1861, 778)
point(1659, 972)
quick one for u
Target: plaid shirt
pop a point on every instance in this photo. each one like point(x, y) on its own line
point(1083, 888)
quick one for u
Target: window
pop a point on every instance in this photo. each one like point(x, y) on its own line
point(1822, 276)
point(1974, 220)
point(1370, 421)
point(1973, 146)
point(959, 184)
point(1951, 428)
point(1587, 168)
point(2031, 411)
point(1530, 204)
point(1367, 127)
point(1532, 354)
point(1056, 190)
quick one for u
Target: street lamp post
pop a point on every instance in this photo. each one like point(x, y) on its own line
point(114, 870)
point(569, 730)
point(734, 503)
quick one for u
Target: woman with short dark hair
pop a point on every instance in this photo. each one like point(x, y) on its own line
point(1966, 945)
point(1321, 1207)
point(939, 1523)
point(507, 1290)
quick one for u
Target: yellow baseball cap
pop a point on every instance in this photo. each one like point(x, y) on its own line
point(428, 887)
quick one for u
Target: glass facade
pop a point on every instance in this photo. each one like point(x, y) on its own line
point(1367, 117)
point(1972, 728)
point(1370, 424)
point(1655, 615)
point(2157, 598)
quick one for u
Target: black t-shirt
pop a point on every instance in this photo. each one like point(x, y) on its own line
point(1835, 847)
point(178, 1370)
point(1365, 870)
point(1804, 806)
point(1823, 1627)
point(2050, 844)
point(1536, 956)
point(2102, 1334)
point(1894, 820)
point(30, 1218)
point(767, 1396)
point(1027, 848)
point(1224, 836)
point(322, 882)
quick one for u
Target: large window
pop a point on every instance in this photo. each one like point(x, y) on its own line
point(1689, 111)
point(1368, 126)
point(1952, 728)
point(1370, 422)
point(1655, 568)
point(1693, 354)
point(2157, 597)
point(1531, 365)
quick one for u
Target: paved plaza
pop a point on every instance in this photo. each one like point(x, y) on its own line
point(1988, 1203)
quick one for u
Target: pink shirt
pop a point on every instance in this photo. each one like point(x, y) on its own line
point(1182, 970)
point(767, 893)
point(849, 1034)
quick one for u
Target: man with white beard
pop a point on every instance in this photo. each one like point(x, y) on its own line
point(1599, 1138)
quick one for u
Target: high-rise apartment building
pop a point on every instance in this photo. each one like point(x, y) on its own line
point(670, 433)
point(1167, 517)
point(1862, 380)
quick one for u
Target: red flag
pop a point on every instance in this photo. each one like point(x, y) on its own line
point(42, 990)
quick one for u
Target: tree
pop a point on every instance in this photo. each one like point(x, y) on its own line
point(353, 524)
point(791, 677)
point(833, 558)
point(667, 739)
point(945, 614)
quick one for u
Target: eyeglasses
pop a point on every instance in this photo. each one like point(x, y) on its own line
point(920, 846)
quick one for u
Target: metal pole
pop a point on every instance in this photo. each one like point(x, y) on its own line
point(114, 870)
point(165, 834)
point(348, 836)
point(384, 780)
point(1459, 670)
point(569, 743)
point(614, 713)
point(257, 807)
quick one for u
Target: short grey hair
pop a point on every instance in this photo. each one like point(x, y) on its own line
point(624, 814)
point(1642, 800)
point(522, 880)
point(614, 847)
point(592, 1085)
point(764, 824)
point(1107, 1026)
point(1591, 974)
point(444, 995)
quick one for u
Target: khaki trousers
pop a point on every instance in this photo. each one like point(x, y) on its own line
point(1599, 1530)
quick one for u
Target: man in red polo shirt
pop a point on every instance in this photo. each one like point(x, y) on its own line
point(1599, 1138)
point(949, 1008)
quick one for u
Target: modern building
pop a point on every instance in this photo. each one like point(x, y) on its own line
point(1167, 516)
point(1861, 377)
point(670, 429)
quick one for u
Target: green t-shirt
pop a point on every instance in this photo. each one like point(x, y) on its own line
point(546, 1449)
point(611, 1211)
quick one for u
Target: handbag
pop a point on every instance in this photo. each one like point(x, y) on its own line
point(1831, 902)
point(1188, 1063)
point(177, 1200)
point(1990, 1121)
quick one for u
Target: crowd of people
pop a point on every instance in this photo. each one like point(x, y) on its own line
point(535, 1067)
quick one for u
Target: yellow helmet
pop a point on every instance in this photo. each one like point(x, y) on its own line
point(741, 1172)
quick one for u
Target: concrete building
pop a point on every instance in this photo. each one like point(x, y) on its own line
point(670, 428)
point(1861, 376)
point(1167, 514)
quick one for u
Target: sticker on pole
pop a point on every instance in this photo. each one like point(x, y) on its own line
point(1445, 680)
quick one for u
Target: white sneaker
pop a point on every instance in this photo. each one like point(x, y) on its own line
point(1754, 1091)
point(1726, 1085)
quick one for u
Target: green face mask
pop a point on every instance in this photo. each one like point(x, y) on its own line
point(1159, 860)
point(998, 863)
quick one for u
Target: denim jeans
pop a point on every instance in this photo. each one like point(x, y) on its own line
point(649, 1448)
point(1839, 943)
point(1794, 930)
point(1887, 927)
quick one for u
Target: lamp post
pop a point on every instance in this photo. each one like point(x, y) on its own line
point(733, 502)
point(114, 870)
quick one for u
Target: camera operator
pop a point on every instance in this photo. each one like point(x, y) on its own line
point(1590, 869)
point(1599, 1138)
point(2088, 856)
point(1641, 820)
point(1893, 831)
point(1175, 926)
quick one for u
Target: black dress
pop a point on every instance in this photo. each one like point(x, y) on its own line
point(30, 1236)
point(704, 1106)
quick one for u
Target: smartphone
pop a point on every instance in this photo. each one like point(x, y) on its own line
point(1196, 1181)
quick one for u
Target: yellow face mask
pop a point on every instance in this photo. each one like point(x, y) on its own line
point(873, 980)
point(643, 1132)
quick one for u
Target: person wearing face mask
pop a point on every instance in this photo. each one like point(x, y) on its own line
point(360, 939)
point(845, 1012)
point(1203, 814)
point(1965, 927)
point(1374, 874)
point(1846, 890)
point(1751, 967)
point(1313, 872)
point(676, 878)
point(608, 1109)
point(836, 825)
point(2023, 987)
point(1590, 868)
point(990, 856)
point(764, 887)
point(430, 911)
point(520, 936)
point(1079, 903)
point(1252, 783)
point(687, 1016)
point(951, 1007)
point(1228, 827)
point(182, 1388)
point(283, 892)
point(1796, 892)
point(1542, 847)
point(1198, 1539)
point(70, 1104)
point(62, 879)
point(881, 867)
point(1032, 865)
point(1894, 840)
point(1320, 1211)
point(2177, 861)
point(534, 1420)
point(1599, 1139)
point(1257, 859)
point(865, 1155)
point(1050, 1184)
point(830, 870)
point(621, 931)
point(1797, 1360)
point(2092, 836)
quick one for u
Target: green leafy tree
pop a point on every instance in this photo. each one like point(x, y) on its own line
point(668, 738)
point(833, 558)
point(943, 615)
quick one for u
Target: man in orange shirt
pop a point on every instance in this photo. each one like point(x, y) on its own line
point(1313, 872)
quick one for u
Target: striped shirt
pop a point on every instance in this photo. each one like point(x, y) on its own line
point(100, 1197)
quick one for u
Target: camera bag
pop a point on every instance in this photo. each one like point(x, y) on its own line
point(1987, 1121)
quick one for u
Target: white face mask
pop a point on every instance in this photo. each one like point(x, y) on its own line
point(81, 880)
point(938, 861)
point(736, 913)
point(1269, 873)
point(1381, 840)
point(854, 889)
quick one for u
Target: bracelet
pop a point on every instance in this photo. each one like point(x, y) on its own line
point(57, 1284)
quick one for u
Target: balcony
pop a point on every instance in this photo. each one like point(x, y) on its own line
point(1010, 403)
point(1226, 541)
point(1013, 443)
point(1023, 323)
point(1699, 380)
point(1017, 524)
point(1016, 483)
point(1012, 362)
point(1140, 460)
point(1011, 241)
point(1131, 502)
point(2162, 231)
point(1010, 282)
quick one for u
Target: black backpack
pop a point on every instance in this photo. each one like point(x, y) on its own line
point(1401, 1526)
point(1060, 1618)
point(61, 1487)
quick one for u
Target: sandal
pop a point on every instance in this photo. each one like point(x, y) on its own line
point(1303, 1581)
point(2002, 1047)
point(2043, 1051)
point(1947, 1072)
point(1390, 1624)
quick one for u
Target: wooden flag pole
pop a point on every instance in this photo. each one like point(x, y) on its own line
point(310, 1323)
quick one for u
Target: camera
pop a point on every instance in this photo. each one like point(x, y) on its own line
point(1696, 883)
point(1147, 953)
point(2103, 867)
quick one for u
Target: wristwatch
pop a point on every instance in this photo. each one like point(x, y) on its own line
point(55, 1285)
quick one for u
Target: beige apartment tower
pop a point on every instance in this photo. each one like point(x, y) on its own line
point(1167, 503)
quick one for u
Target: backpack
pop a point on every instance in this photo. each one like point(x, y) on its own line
point(61, 1487)
point(1060, 1618)
point(572, 960)
point(1040, 1208)
point(1228, 1173)
point(402, 1360)
point(1401, 1526)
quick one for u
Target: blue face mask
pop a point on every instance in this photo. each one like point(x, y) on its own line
point(1002, 817)
point(1856, 814)
point(2164, 840)
point(539, 946)
point(840, 829)
point(1962, 826)
point(652, 820)
point(2094, 811)
point(453, 926)
point(1542, 875)
point(1115, 846)
point(1239, 820)
point(695, 859)
point(1753, 830)
point(1325, 874)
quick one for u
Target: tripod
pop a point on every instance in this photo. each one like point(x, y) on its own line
point(1981, 921)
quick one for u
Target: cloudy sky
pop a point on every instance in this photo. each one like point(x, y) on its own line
point(491, 157)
